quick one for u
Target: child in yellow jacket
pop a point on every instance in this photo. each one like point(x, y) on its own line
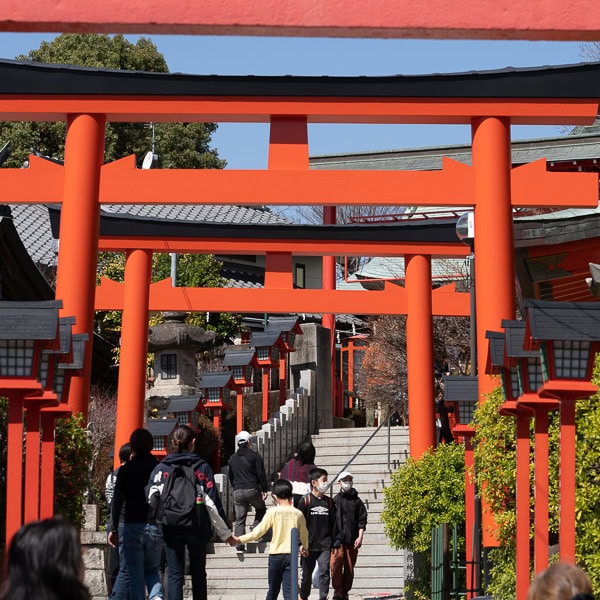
point(281, 518)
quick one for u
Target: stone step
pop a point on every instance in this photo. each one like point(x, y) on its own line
point(379, 569)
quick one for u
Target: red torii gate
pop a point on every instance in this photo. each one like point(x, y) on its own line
point(490, 185)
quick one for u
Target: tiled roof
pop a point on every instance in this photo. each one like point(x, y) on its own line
point(33, 226)
point(204, 213)
point(33, 223)
point(583, 146)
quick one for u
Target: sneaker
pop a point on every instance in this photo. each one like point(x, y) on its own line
point(240, 549)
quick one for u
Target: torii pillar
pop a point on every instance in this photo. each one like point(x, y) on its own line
point(79, 232)
point(494, 247)
point(419, 354)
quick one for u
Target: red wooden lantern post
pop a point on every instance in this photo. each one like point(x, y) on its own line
point(568, 336)
point(161, 430)
point(463, 392)
point(529, 374)
point(499, 361)
point(241, 362)
point(214, 387)
point(289, 328)
point(268, 346)
point(186, 409)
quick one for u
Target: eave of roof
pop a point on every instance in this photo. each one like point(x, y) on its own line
point(124, 225)
point(565, 81)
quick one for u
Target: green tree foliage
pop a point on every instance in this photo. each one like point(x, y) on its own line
point(178, 145)
point(423, 494)
point(73, 455)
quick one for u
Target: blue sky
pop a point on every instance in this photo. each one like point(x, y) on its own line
point(244, 146)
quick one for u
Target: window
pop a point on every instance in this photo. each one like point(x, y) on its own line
point(299, 276)
point(214, 394)
point(168, 366)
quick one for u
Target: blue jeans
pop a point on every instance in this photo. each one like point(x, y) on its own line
point(175, 544)
point(121, 585)
point(142, 549)
point(280, 572)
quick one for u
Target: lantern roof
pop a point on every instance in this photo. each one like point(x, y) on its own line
point(284, 324)
point(215, 380)
point(65, 326)
point(183, 403)
point(514, 338)
point(78, 352)
point(239, 358)
point(461, 387)
point(495, 357)
point(265, 338)
point(161, 426)
point(574, 321)
point(35, 320)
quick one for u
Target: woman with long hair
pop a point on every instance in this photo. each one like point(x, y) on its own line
point(44, 562)
point(194, 537)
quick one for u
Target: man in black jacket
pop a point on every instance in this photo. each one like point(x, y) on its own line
point(249, 482)
point(350, 525)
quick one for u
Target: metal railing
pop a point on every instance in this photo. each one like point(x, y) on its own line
point(386, 421)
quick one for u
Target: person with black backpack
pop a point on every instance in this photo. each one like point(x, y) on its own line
point(185, 500)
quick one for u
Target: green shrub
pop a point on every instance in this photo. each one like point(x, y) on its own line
point(73, 455)
point(423, 494)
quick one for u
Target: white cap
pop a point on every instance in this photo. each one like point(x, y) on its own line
point(243, 437)
point(344, 474)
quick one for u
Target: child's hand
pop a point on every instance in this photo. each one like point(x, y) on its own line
point(231, 540)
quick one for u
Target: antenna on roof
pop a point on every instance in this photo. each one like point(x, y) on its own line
point(151, 157)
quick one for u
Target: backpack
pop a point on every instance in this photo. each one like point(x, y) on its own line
point(307, 498)
point(181, 502)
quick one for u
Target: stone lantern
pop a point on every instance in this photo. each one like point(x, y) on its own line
point(175, 344)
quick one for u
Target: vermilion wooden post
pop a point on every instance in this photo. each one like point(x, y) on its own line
point(419, 354)
point(239, 408)
point(522, 504)
point(49, 416)
point(265, 393)
point(31, 507)
point(494, 264)
point(467, 433)
point(79, 231)
point(541, 407)
point(134, 347)
point(14, 463)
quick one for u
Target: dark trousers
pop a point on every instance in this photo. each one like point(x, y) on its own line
point(343, 559)
point(280, 571)
point(320, 557)
point(175, 545)
point(242, 500)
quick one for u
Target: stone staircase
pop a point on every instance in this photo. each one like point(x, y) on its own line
point(379, 569)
